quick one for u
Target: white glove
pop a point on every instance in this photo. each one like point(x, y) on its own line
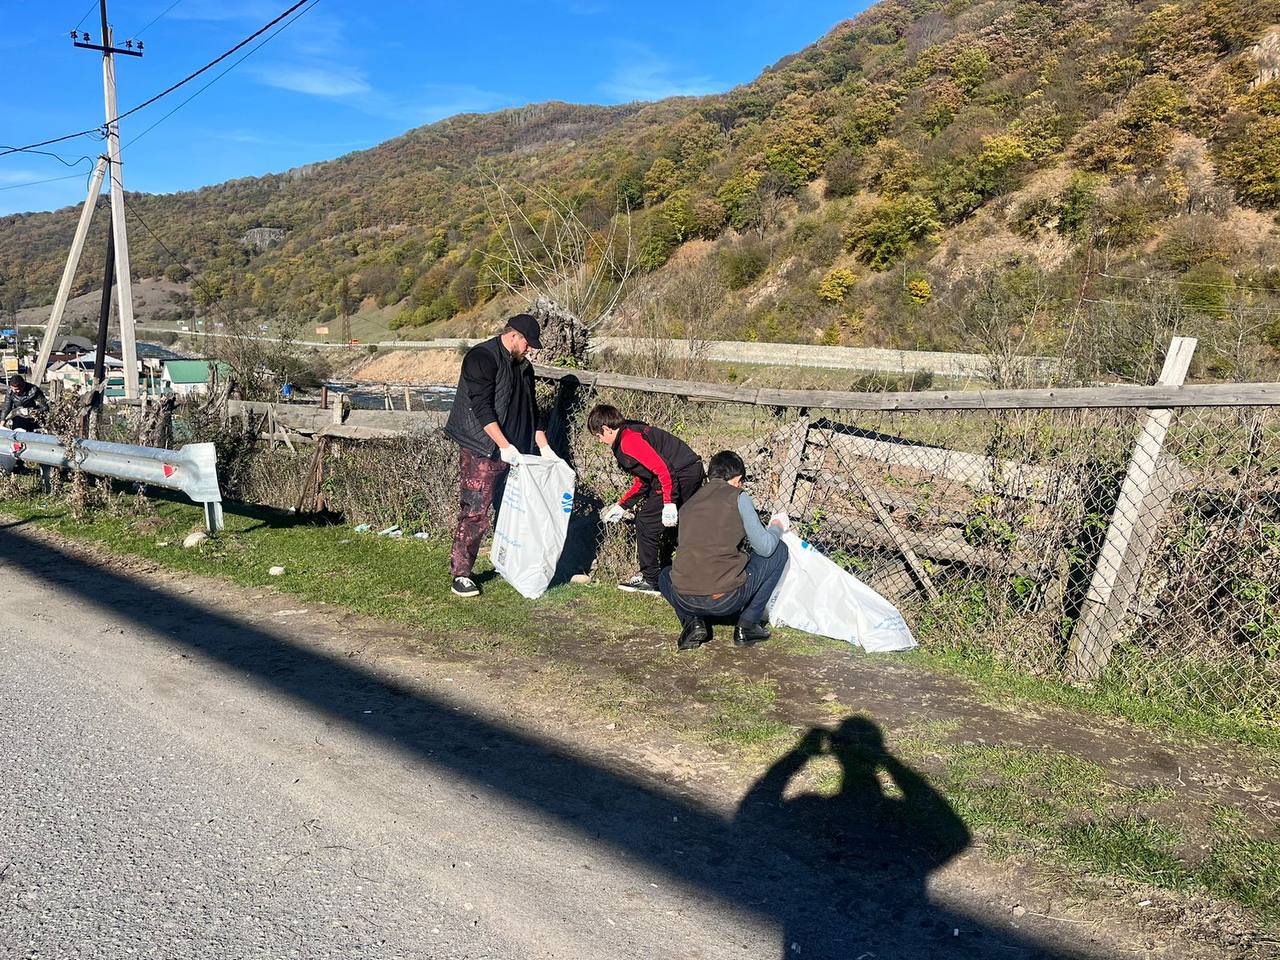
point(781, 521)
point(670, 515)
point(509, 453)
point(614, 514)
point(548, 453)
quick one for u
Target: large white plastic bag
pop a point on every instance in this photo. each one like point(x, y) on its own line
point(816, 596)
point(532, 523)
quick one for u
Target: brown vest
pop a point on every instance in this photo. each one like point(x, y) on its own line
point(710, 559)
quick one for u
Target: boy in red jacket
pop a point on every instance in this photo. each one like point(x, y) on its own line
point(667, 474)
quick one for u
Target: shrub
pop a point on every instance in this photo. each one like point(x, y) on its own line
point(941, 107)
point(970, 68)
point(1075, 203)
point(1251, 161)
point(835, 286)
point(1193, 240)
point(741, 263)
point(793, 151)
point(842, 174)
point(1204, 289)
point(890, 228)
point(919, 291)
point(738, 196)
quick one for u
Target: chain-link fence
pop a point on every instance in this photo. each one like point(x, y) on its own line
point(998, 532)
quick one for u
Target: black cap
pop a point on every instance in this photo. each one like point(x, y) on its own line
point(528, 327)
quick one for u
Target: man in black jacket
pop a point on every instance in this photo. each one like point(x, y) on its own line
point(667, 473)
point(494, 420)
point(23, 404)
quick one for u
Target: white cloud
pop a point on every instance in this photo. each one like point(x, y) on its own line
point(251, 138)
point(643, 75)
point(320, 80)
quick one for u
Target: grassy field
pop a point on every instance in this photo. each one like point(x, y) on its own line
point(1051, 805)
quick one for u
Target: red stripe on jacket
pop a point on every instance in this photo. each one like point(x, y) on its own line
point(634, 445)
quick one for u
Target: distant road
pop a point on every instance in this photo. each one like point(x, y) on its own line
point(858, 359)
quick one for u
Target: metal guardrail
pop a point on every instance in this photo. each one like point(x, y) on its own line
point(192, 470)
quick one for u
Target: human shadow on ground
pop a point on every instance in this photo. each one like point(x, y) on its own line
point(837, 878)
point(875, 828)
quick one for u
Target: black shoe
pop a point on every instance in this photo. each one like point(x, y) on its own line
point(638, 584)
point(466, 587)
point(695, 634)
point(749, 634)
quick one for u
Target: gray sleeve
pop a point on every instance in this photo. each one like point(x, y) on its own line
point(764, 540)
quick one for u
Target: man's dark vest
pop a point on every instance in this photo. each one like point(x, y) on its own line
point(462, 425)
point(710, 559)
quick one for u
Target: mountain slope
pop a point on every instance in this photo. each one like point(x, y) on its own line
point(969, 174)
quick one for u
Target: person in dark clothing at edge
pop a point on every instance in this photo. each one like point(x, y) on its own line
point(713, 576)
point(494, 419)
point(23, 404)
point(667, 473)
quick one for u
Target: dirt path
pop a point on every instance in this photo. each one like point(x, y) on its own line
point(570, 819)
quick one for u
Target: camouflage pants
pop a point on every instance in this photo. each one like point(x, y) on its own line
point(482, 481)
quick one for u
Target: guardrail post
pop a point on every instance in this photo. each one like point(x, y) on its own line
point(213, 516)
point(1123, 556)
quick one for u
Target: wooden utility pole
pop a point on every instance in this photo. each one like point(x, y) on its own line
point(108, 165)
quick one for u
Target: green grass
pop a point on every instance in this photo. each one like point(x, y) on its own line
point(1067, 811)
point(1000, 684)
point(741, 714)
point(1057, 807)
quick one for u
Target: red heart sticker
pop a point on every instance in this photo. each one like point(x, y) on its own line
point(168, 470)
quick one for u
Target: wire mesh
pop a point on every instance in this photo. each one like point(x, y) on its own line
point(1124, 548)
point(1132, 550)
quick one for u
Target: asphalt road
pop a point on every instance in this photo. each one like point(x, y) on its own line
point(154, 806)
point(191, 770)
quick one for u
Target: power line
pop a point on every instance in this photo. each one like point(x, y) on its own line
point(1190, 283)
point(31, 147)
point(48, 153)
point(164, 93)
point(1261, 311)
point(92, 7)
point(153, 22)
point(33, 183)
point(219, 76)
point(212, 63)
point(173, 257)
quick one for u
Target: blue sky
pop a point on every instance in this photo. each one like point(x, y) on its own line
point(348, 74)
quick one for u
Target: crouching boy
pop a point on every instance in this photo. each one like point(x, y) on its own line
point(713, 576)
point(667, 474)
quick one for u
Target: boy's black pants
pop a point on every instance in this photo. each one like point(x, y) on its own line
point(653, 540)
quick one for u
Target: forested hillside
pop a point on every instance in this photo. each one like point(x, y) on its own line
point(1005, 175)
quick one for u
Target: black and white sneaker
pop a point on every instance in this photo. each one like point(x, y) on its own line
point(466, 587)
point(638, 584)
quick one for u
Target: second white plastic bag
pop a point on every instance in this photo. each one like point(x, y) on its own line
point(817, 596)
point(532, 523)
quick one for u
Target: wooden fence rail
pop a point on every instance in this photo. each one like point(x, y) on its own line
point(1052, 398)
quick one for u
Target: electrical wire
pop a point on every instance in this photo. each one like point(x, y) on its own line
point(173, 257)
point(1189, 283)
point(168, 90)
point(212, 63)
point(219, 76)
point(47, 153)
point(92, 7)
point(32, 183)
point(1261, 311)
point(153, 22)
